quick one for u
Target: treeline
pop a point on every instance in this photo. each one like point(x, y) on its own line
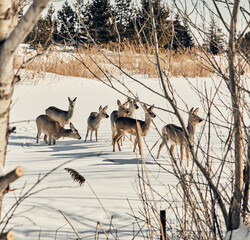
point(100, 22)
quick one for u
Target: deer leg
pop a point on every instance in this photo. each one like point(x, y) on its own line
point(45, 138)
point(172, 149)
point(135, 144)
point(118, 143)
point(87, 134)
point(96, 135)
point(91, 132)
point(181, 147)
point(39, 131)
point(113, 134)
point(120, 140)
point(50, 140)
point(115, 140)
point(187, 155)
point(160, 148)
point(53, 141)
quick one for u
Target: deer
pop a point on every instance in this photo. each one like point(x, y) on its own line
point(94, 120)
point(131, 108)
point(121, 112)
point(61, 116)
point(53, 130)
point(175, 134)
point(126, 124)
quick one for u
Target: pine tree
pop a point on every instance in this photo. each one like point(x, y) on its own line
point(122, 15)
point(82, 23)
point(161, 14)
point(66, 21)
point(42, 33)
point(188, 39)
point(100, 21)
point(181, 38)
point(215, 38)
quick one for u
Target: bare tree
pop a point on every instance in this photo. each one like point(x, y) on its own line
point(202, 193)
point(12, 33)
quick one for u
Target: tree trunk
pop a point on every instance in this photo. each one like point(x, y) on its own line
point(11, 35)
point(7, 236)
point(234, 78)
point(7, 24)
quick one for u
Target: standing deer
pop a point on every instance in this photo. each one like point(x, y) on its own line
point(94, 120)
point(122, 112)
point(61, 116)
point(175, 134)
point(131, 108)
point(53, 130)
point(126, 124)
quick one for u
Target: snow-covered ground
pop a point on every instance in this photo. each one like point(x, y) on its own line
point(111, 187)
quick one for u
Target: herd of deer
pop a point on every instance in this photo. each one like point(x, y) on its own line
point(122, 120)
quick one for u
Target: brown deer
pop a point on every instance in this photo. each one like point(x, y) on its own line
point(175, 134)
point(94, 120)
point(129, 125)
point(122, 112)
point(61, 116)
point(131, 108)
point(53, 130)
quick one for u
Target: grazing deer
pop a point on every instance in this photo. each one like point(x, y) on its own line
point(176, 135)
point(126, 124)
point(53, 130)
point(94, 120)
point(122, 112)
point(61, 116)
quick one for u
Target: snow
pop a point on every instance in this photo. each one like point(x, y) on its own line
point(111, 177)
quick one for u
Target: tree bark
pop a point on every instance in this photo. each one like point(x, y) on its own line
point(11, 35)
point(10, 38)
point(7, 236)
point(234, 79)
point(7, 179)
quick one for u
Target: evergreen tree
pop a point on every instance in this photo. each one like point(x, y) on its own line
point(215, 38)
point(131, 33)
point(188, 39)
point(161, 14)
point(100, 21)
point(42, 33)
point(122, 15)
point(82, 22)
point(180, 36)
point(66, 21)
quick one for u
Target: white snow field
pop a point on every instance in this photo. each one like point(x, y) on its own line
point(112, 175)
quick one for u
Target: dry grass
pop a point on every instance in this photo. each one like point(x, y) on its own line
point(93, 62)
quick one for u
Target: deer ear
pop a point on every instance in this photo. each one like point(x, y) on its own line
point(119, 103)
point(105, 108)
point(191, 110)
point(126, 104)
point(69, 99)
point(196, 111)
point(152, 107)
point(71, 126)
point(100, 108)
point(74, 99)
